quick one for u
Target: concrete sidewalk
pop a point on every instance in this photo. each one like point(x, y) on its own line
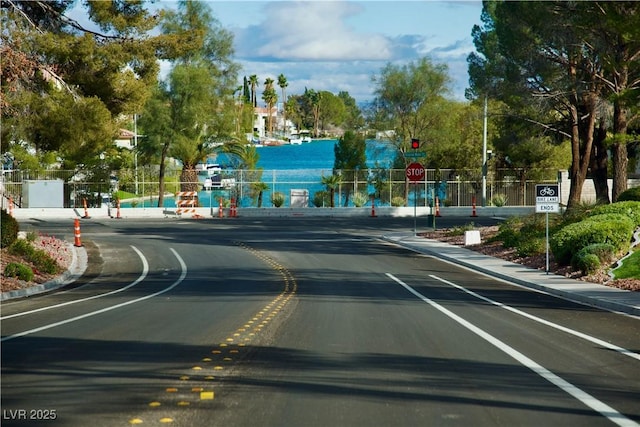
point(591, 294)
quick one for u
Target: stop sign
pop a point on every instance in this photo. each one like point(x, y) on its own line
point(415, 172)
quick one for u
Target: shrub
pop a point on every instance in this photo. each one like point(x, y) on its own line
point(44, 262)
point(21, 271)
point(460, 230)
point(604, 251)
point(630, 209)
point(531, 246)
point(397, 201)
point(632, 194)
point(321, 199)
point(610, 228)
point(359, 199)
point(499, 200)
point(277, 199)
point(8, 229)
point(21, 247)
point(589, 263)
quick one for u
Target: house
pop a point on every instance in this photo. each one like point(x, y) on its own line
point(125, 139)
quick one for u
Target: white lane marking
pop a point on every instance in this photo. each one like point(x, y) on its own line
point(584, 397)
point(145, 271)
point(104, 310)
point(586, 337)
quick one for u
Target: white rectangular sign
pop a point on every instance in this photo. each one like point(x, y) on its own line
point(547, 207)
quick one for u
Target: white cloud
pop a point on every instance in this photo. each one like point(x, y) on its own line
point(311, 31)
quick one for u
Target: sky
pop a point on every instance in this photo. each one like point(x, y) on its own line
point(336, 45)
point(340, 45)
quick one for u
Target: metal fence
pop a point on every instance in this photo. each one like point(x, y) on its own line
point(354, 188)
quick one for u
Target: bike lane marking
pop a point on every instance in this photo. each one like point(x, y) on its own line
point(582, 396)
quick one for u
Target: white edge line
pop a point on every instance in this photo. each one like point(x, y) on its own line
point(106, 309)
point(145, 271)
point(582, 396)
point(578, 334)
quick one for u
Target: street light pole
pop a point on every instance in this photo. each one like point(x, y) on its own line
point(135, 148)
point(484, 155)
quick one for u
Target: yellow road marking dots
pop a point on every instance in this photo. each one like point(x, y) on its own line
point(206, 395)
point(171, 390)
point(135, 421)
point(154, 404)
point(166, 420)
point(183, 403)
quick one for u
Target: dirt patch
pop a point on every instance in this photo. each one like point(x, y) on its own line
point(539, 262)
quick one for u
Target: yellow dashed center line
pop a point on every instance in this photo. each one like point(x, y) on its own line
point(234, 343)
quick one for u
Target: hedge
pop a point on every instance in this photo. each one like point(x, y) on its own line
point(615, 229)
point(630, 194)
point(629, 208)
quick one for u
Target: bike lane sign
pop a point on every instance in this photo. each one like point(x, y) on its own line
point(547, 198)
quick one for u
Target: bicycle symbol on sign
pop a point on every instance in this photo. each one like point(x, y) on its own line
point(547, 191)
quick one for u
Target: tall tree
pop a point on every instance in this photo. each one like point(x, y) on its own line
point(198, 98)
point(351, 159)
point(407, 100)
point(59, 79)
point(270, 97)
point(253, 82)
point(282, 82)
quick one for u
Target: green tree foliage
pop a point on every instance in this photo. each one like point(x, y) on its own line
point(196, 103)
point(350, 159)
point(567, 59)
point(64, 87)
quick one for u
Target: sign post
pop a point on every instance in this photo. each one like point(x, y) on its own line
point(415, 173)
point(547, 200)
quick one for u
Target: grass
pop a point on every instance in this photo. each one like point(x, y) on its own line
point(630, 268)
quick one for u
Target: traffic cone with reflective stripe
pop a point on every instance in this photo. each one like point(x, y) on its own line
point(473, 204)
point(76, 233)
point(373, 207)
point(86, 211)
point(437, 206)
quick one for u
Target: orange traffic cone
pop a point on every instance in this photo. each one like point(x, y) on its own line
point(220, 209)
point(473, 204)
point(86, 211)
point(373, 207)
point(76, 229)
point(10, 205)
point(437, 207)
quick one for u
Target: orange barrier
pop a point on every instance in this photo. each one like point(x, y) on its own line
point(10, 205)
point(186, 201)
point(118, 209)
point(86, 211)
point(373, 207)
point(76, 233)
point(437, 207)
point(473, 204)
point(220, 209)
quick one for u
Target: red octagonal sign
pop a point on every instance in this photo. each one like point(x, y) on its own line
point(415, 172)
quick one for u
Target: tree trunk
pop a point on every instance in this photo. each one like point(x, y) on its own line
point(619, 153)
point(163, 167)
point(599, 165)
point(189, 179)
point(581, 153)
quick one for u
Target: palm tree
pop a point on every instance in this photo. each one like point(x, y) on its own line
point(259, 189)
point(282, 82)
point(270, 97)
point(253, 82)
point(331, 182)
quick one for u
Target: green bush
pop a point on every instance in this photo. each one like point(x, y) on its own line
point(604, 251)
point(277, 199)
point(588, 264)
point(531, 246)
point(321, 199)
point(8, 228)
point(359, 199)
point(22, 247)
point(632, 194)
point(397, 201)
point(630, 209)
point(614, 229)
point(21, 271)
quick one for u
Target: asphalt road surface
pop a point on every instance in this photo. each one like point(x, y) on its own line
point(303, 322)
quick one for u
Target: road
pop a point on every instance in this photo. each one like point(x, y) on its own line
point(303, 322)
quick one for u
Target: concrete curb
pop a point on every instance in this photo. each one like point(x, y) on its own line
point(76, 269)
point(591, 294)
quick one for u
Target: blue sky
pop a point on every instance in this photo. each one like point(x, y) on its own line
point(340, 45)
